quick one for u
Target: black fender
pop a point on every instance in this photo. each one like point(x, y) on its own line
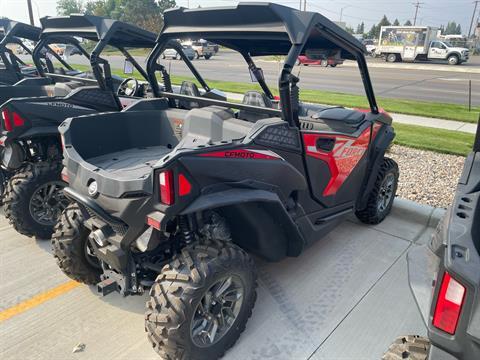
point(381, 143)
point(258, 220)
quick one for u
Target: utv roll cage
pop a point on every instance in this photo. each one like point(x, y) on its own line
point(260, 29)
point(13, 32)
point(105, 32)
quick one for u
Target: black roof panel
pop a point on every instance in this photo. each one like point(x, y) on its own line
point(95, 28)
point(256, 28)
point(19, 30)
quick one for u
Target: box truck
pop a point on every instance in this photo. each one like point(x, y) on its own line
point(410, 43)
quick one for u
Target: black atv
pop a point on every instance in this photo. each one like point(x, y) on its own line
point(175, 197)
point(31, 149)
point(19, 79)
point(444, 277)
point(15, 34)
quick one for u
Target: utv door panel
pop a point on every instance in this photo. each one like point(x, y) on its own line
point(335, 160)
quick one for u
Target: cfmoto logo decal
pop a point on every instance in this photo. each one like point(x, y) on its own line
point(93, 189)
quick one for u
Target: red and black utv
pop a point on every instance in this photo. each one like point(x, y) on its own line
point(174, 198)
point(30, 147)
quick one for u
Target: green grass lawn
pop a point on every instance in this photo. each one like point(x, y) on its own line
point(438, 140)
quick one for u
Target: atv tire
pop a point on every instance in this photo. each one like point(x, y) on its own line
point(24, 187)
point(381, 197)
point(412, 347)
point(70, 247)
point(176, 312)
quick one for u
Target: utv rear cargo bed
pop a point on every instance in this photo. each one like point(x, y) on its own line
point(131, 163)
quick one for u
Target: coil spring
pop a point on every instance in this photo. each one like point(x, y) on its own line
point(185, 229)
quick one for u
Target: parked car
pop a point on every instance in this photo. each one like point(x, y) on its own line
point(173, 54)
point(332, 62)
point(444, 277)
point(59, 49)
point(203, 49)
point(176, 194)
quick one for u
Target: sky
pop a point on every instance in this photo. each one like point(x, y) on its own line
point(431, 12)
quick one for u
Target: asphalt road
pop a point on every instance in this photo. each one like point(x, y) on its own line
point(420, 81)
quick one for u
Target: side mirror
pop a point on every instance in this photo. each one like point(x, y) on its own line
point(127, 67)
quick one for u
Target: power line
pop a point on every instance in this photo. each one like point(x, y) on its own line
point(417, 5)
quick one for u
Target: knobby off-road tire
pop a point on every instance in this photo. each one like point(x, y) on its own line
point(385, 185)
point(173, 308)
point(412, 347)
point(20, 189)
point(70, 247)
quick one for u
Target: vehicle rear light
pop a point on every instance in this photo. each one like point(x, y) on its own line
point(11, 119)
point(449, 304)
point(65, 177)
point(153, 223)
point(18, 120)
point(7, 120)
point(184, 186)
point(167, 195)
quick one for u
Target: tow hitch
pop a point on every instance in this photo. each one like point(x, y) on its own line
point(107, 286)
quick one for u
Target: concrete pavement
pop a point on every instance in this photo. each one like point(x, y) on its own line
point(346, 297)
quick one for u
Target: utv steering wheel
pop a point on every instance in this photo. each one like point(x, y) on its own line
point(128, 87)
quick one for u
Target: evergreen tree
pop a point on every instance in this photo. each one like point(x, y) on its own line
point(396, 23)
point(384, 22)
point(407, 23)
point(360, 28)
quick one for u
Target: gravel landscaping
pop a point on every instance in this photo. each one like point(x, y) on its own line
point(427, 177)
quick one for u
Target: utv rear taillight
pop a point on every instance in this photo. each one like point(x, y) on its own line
point(167, 194)
point(449, 304)
point(7, 120)
point(11, 120)
point(184, 186)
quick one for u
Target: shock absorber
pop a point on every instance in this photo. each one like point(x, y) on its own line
point(184, 227)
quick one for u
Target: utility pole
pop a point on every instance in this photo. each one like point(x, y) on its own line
point(304, 5)
point(417, 5)
point(30, 12)
point(473, 17)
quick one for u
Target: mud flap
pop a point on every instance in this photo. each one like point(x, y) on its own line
point(423, 266)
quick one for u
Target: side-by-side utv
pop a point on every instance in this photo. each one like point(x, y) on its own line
point(14, 34)
point(30, 147)
point(19, 79)
point(174, 198)
point(444, 277)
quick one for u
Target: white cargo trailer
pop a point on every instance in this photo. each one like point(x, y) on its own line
point(410, 43)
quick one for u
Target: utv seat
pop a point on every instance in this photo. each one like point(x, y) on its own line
point(347, 116)
point(255, 98)
point(189, 88)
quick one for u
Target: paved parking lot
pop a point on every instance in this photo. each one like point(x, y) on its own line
point(346, 297)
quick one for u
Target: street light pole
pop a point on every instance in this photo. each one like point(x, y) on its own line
point(30, 12)
point(417, 5)
point(473, 17)
point(341, 11)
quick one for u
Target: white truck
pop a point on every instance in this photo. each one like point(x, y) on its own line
point(410, 43)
